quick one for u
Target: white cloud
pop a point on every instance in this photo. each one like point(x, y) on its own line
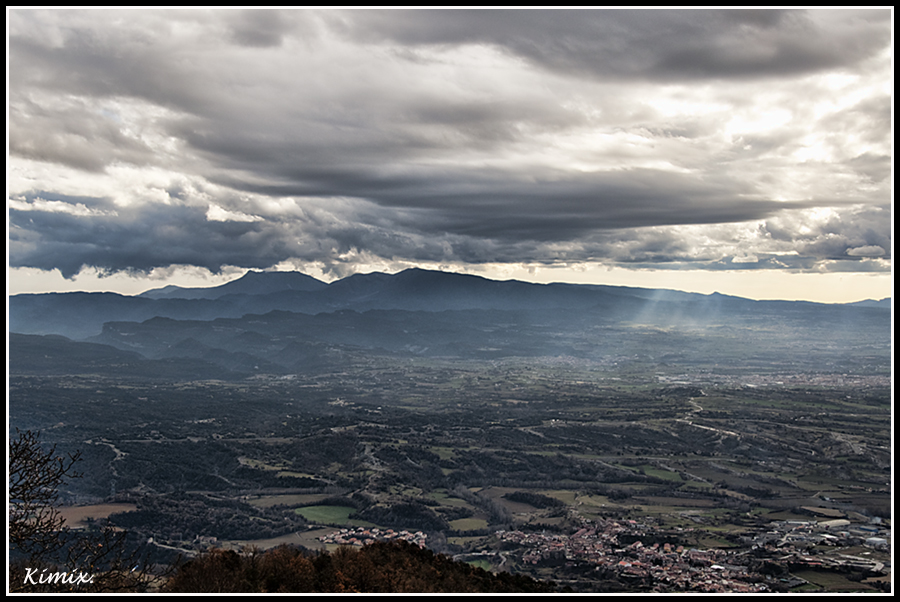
point(217, 214)
point(39, 204)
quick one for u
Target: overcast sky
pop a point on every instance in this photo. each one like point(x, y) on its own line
point(641, 147)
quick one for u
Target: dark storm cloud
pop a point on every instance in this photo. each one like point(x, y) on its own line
point(249, 138)
point(260, 28)
point(69, 233)
point(508, 206)
point(139, 240)
point(657, 44)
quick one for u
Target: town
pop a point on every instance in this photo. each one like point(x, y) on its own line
point(615, 551)
point(361, 536)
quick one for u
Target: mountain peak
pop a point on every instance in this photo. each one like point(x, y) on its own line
point(251, 283)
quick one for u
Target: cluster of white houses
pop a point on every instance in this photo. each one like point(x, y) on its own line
point(361, 536)
point(800, 533)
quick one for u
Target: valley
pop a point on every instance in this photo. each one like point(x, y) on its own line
point(464, 452)
point(607, 448)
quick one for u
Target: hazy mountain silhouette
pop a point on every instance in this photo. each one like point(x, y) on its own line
point(81, 315)
point(49, 355)
point(882, 303)
point(251, 283)
point(288, 322)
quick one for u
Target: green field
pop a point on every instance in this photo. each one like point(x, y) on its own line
point(267, 501)
point(468, 524)
point(831, 582)
point(331, 515)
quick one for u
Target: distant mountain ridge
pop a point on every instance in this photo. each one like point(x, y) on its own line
point(882, 303)
point(82, 315)
point(79, 315)
point(251, 283)
point(264, 283)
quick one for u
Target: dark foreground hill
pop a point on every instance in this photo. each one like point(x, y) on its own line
point(382, 567)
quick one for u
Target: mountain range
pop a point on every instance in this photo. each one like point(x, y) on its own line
point(286, 322)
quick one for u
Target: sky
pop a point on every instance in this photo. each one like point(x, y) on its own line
point(748, 152)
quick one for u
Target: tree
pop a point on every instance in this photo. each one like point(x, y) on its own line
point(44, 553)
point(381, 567)
point(37, 530)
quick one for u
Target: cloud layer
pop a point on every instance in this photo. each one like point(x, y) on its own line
point(712, 139)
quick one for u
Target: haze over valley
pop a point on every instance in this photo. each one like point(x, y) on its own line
point(538, 429)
